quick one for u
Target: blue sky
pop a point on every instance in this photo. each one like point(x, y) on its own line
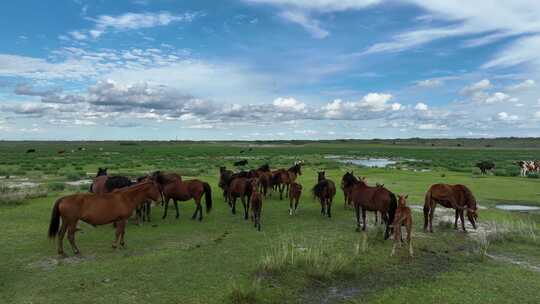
point(269, 69)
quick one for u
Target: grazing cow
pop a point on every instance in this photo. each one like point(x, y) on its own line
point(241, 163)
point(31, 151)
point(295, 190)
point(403, 217)
point(61, 151)
point(484, 166)
point(528, 166)
point(256, 201)
point(324, 190)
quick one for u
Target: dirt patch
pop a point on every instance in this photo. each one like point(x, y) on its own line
point(510, 260)
point(52, 263)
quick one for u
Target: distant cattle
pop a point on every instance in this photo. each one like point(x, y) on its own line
point(484, 166)
point(61, 151)
point(30, 150)
point(241, 163)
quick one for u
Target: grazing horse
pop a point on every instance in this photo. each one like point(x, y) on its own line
point(240, 187)
point(348, 181)
point(457, 197)
point(224, 180)
point(99, 209)
point(378, 199)
point(324, 190)
point(403, 217)
point(179, 190)
point(484, 166)
point(295, 190)
point(241, 163)
point(256, 201)
point(283, 178)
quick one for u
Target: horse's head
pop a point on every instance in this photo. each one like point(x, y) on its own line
point(348, 179)
point(158, 181)
point(402, 200)
point(101, 171)
point(222, 169)
point(472, 208)
point(265, 168)
point(321, 176)
point(254, 184)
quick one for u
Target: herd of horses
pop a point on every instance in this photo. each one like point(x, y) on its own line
point(113, 199)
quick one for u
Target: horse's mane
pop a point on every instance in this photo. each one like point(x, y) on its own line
point(469, 197)
point(349, 179)
point(295, 168)
point(264, 168)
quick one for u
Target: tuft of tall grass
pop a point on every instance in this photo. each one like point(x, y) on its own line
point(244, 294)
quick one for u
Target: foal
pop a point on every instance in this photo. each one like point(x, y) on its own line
point(402, 217)
point(295, 191)
point(256, 203)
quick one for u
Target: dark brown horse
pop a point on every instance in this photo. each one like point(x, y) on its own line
point(295, 190)
point(368, 198)
point(264, 175)
point(240, 187)
point(224, 180)
point(256, 202)
point(324, 190)
point(457, 197)
point(179, 190)
point(283, 178)
point(403, 217)
point(99, 209)
point(98, 186)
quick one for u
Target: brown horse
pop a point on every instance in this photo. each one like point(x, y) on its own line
point(99, 209)
point(403, 217)
point(240, 187)
point(98, 186)
point(224, 180)
point(295, 191)
point(457, 197)
point(256, 201)
point(179, 190)
point(264, 175)
point(324, 190)
point(348, 181)
point(369, 198)
point(283, 178)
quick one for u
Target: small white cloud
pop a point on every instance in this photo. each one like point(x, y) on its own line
point(429, 83)
point(421, 106)
point(503, 116)
point(481, 85)
point(309, 24)
point(289, 103)
point(78, 35)
point(499, 97)
point(537, 115)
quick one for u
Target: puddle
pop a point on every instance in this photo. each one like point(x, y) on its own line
point(21, 185)
point(519, 208)
point(365, 162)
point(79, 182)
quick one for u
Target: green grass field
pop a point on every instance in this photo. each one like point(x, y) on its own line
point(302, 259)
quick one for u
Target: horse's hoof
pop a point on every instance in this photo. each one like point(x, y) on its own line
point(114, 246)
point(200, 219)
point(62, 255)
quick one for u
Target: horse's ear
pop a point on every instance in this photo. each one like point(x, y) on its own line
point(406, 196)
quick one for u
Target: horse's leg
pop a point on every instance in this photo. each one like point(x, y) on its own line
point(456, 219)
point(118, 233)
point(323, 212)
point(197, 203)
point(364, 219)
point(287, 193)
point(60, 244)
point(71, 228)
point(357, 211)
point(123, 231)
point(290, 205)
point(233, 202)
point(148, 211)
point(329, 207)
point(166, 207)
point(408, 226)
point(462, 221)
point(281, 187)
point(426, 216)
point(246, 207)
point(296, 204)
point(431, 213)
point(176, 207)
point(344, 199)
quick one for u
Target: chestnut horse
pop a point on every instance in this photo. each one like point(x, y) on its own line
point(295, 191)
point(457, 197)
point(348, 181)
point(282, 178)
point(179, 190)
point(403, 217)
point(369, 198)
point(99, 209)
point(264, 175)
point(324, 190)
point(256, 201)
point(240, 187)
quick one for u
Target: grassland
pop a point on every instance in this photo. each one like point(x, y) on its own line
point(302, 259)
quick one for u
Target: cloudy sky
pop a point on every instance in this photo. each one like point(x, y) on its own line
point(269, 69)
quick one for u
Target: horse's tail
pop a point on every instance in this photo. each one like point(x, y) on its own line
point(90, 190)
point(54, 225)
point(392, 209)
point(207, 197)
point(427, 206)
